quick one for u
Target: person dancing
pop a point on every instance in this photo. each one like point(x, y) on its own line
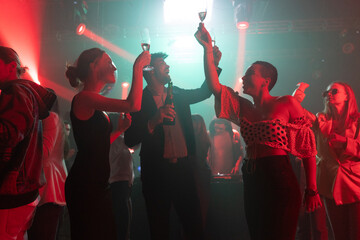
point(87, 190)
point(272, 127)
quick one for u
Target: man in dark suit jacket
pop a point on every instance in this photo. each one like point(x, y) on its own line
point(167, 152)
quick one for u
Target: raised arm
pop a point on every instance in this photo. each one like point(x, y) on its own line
point(299, 95)
point(299, 92)
point(135, 95)
point(212, 79)
point(87, 101)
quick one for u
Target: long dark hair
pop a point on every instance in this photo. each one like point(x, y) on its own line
point(268, 70)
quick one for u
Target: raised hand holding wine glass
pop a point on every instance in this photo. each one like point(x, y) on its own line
point(202, 14)
point(202, 9)
point(145, 45)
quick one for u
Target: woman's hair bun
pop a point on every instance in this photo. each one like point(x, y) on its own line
point(72, 74)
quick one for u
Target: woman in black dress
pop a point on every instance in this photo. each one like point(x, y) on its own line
point(87, 192)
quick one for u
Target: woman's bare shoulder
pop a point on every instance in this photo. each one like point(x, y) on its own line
point(285, 99)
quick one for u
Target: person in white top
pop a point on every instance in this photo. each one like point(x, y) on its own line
point(52, 194)
point(121, 178)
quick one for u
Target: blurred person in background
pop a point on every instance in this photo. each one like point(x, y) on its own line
point(226, 151)
point(202, 170)
point(52, 194)
point(121, 178)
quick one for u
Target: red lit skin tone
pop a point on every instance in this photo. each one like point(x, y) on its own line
point(7, 71)
point(337, 104)
point(124, 123)
point(265, 107)
point(103, 72)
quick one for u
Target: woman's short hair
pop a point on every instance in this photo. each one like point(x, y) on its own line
point(268, 70)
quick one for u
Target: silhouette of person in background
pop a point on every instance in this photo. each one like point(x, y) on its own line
point(52, 194)
point(121, 178)
point(69, 148)
point(202, 170)
point(226, 150)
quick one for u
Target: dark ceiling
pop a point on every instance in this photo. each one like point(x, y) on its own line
point(267, 16)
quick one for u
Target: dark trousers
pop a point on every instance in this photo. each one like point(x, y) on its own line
point(314, 225)
point(345, 219)
point(90, 211)
point(202, 180)
point(45, 222)
point(172, 184)
point(272, 198)
point(120, 192)
point(311, 225)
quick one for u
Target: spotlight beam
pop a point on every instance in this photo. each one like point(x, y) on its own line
point(240, 60)
point(112, 47)
point(61, 91)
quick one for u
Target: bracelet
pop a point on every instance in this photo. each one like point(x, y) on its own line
point(311, 192)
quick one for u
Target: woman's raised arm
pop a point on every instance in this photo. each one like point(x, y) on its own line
point(212, 79)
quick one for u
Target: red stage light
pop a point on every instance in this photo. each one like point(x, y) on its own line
point(81, 29)
point(242, 25)
point(30, 15)
point(240, 60)
point(125, 88)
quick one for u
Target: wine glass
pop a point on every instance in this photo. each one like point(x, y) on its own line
point(202, 14)
point(145, 45)
point(201, 6)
